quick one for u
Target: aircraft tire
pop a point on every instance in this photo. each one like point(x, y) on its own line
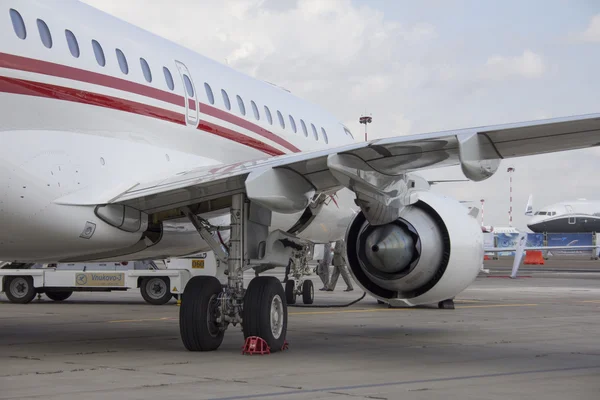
point(59, 296)
point(155, 290)
point(19, 289)
point(265, 312)
point(308, 292)
point(197, 315)
point(290, 294)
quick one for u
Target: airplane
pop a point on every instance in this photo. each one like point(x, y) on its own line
point(574, 216)
point(117, 143)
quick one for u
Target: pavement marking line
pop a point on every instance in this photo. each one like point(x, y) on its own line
point(140, 320)
point(500, 305)
point(370, 310)
point(364, 310)
point(590, 301)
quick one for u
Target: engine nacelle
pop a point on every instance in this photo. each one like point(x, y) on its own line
point(432, 252)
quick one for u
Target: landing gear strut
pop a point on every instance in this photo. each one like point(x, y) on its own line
point(207, 307)
point(299, 286)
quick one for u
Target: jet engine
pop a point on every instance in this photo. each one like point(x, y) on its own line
point(432, 252)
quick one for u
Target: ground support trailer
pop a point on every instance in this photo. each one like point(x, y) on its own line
point(158, 281)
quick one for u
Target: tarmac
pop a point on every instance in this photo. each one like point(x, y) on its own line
point(535, 337)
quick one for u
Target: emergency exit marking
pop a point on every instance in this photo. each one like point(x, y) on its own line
point(198, 264)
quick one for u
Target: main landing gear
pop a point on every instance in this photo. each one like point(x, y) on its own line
point(299, 286)
point(207, 307)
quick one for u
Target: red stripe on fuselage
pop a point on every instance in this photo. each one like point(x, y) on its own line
point(242, 123)
point(63, 71)
point(38, 89)
point(82, 75)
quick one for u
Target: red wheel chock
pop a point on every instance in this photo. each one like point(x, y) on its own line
point(257, 345)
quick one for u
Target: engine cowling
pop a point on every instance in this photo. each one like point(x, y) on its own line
point(432, 252)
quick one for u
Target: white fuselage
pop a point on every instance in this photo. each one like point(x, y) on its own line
point(73, 120)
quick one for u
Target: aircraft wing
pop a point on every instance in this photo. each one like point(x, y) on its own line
point(477, 150)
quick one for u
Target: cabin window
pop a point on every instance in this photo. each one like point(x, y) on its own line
point(209, 93)
point(99, 53)
point(122, 61)
point(241, 105)
point(255, 110)
point(188, 85)
point(44, 33)
point(281, 121)
point(146, 70)
point(18, 24)
point(325, 138)
point(315, 134)
point(169, 78)
point(269, 117)
point(304, 128)
point(226, 99)
point(72, 43)
point(293, 123)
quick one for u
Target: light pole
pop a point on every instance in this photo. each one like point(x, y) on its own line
point(365, 120)
point(510, 171)
point(482, 201)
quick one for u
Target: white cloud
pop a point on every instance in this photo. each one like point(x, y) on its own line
point(320, 50)
point(527, 65)
point(592, 33)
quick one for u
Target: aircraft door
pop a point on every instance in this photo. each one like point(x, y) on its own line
point(192, 107)
point(570, 211)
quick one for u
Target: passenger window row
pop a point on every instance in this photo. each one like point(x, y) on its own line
point(73, 44)
point(256, 113)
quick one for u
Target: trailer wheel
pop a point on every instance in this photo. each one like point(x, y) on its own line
point(19, 289)
point(59, 296)
point(155, 290)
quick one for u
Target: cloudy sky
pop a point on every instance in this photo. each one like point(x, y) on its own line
point(415, 67)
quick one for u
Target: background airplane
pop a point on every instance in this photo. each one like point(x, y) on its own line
point(569, 216)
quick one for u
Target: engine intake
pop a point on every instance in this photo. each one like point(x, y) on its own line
point(407, 258)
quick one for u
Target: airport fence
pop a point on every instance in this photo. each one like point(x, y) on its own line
point(509, 240)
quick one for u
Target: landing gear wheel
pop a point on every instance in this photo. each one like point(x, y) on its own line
point(290, 292)
point(155, 290)
point(19, 289)
point(446, 304)
point(59, 296)
point(308, 292)
point(265, 311)
point(198, 325)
